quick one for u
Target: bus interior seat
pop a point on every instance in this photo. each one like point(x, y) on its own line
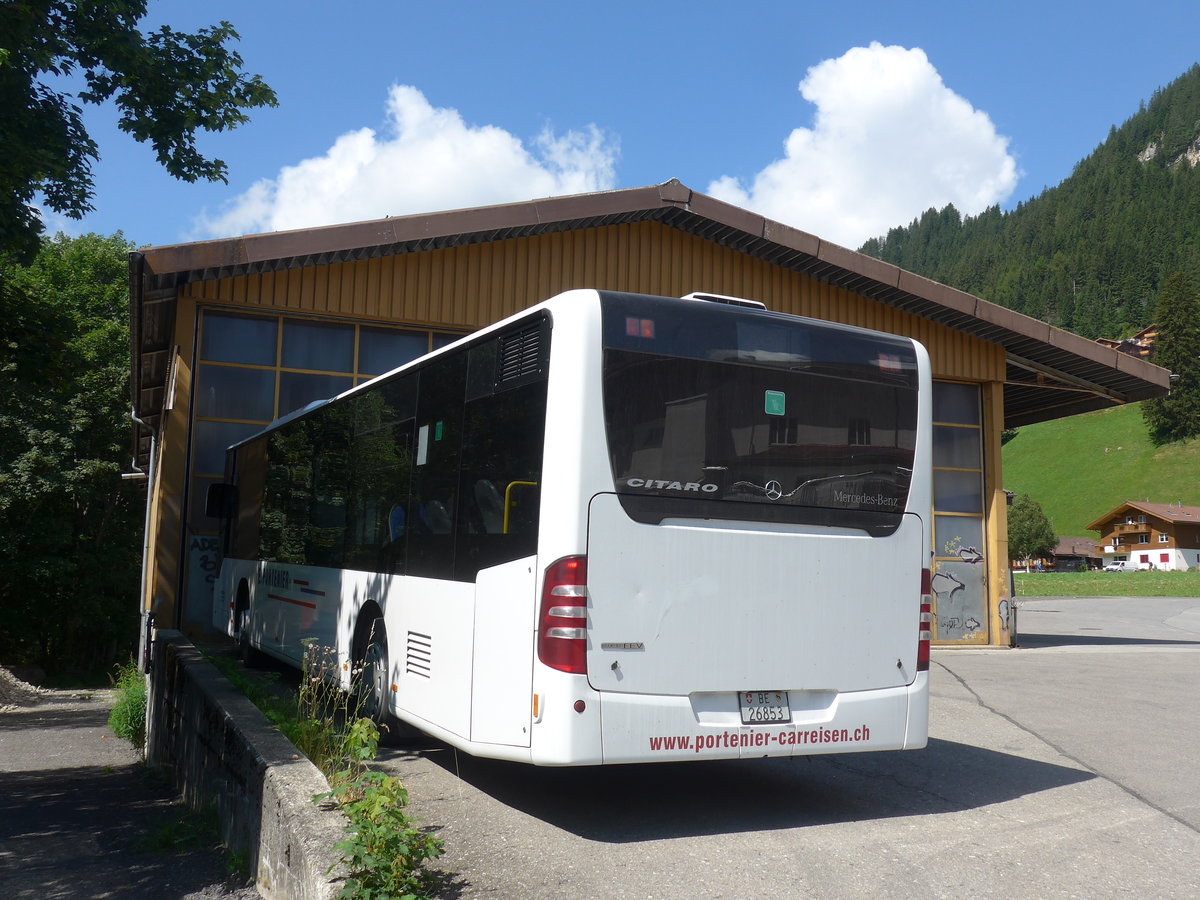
point(491, 506)
point(436, 516)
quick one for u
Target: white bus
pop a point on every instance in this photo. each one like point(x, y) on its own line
point(614, 528)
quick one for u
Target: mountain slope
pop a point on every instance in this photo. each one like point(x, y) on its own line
point(1081, 467)
point(1090, 254)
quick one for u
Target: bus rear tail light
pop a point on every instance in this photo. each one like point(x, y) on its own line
point(925, 628)
point(562, 622)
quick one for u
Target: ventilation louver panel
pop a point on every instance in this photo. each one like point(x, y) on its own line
point(418, 660)
point(520, 354)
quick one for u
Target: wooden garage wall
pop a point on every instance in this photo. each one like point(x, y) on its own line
point(476, 285)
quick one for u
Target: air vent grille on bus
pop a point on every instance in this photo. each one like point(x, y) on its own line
point(520, 354)
point(419, 658)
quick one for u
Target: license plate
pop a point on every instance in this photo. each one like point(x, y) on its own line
point(764, 707)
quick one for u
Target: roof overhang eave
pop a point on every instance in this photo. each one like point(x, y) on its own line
point(1078, 375)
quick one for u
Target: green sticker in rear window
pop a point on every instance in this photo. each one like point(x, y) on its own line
point(775, 403)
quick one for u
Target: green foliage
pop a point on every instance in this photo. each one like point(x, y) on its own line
point(1081, 467)
point(1030, 534)
point(273, 701)
point(319, 718)
point(127, 720)
point(167, 86)
point(69, 526)
point(384, 852)
point(1090, 254)
point(1176, 417)
point(328, 728)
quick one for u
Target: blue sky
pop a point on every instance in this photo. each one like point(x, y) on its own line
point(840, 119)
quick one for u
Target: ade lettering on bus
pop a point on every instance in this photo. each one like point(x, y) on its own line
point(664, 485)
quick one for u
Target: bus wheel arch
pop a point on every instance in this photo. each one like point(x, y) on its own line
point(364, 627)
point(241, 608)
point(371, 666)
point(369, 662)
point(252, 657)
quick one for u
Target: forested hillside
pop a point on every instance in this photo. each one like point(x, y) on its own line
point(1090, 254)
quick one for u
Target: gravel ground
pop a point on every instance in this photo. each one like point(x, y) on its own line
point(82, 817)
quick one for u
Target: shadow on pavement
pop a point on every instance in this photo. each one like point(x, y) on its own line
point(622, 804)
point(83, 832)
point(1032, 641)
point(49, 716)
point(80, 818)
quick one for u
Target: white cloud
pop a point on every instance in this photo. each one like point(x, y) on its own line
point(426, 159)
point(55, 223)
point(889, 141)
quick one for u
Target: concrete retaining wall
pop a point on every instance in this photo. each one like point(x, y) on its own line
point(220, 749)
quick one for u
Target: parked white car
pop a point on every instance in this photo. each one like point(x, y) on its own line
point(1120, 566)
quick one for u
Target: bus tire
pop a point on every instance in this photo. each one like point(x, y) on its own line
point(375, 686)
point(251, 656)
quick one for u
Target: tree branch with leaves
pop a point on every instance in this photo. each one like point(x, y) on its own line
point(168, 86)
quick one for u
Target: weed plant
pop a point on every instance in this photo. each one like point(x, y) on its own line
point(384, 851)
point(127, 720)
point(327, 728)
point(278, 705)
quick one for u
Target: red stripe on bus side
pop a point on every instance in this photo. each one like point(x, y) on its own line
point(290, 600)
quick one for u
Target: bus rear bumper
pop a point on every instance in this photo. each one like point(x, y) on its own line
point(650, 728)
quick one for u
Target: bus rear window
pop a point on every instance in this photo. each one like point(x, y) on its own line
point(792, 420)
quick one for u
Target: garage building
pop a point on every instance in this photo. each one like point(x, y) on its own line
point(228, 335)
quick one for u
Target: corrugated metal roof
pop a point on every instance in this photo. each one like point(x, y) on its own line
point(1051, 373)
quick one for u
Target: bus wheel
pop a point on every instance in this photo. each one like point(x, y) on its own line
point(252, 657)
point(373, 675)
point(374, 688)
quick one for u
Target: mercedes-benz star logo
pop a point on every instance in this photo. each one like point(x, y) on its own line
point(774, 490)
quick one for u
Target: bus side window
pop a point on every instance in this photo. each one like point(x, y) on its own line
point(438, 443)
point(377, 525)
point(503, 439)
point(325, 540)
point(251, 478)
point(287, 494)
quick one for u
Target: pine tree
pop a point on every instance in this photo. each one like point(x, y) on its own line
point(1177, 347)
point(1089, 253)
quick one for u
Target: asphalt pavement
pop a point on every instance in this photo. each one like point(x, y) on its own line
point(81, 817)
point(1063, 768)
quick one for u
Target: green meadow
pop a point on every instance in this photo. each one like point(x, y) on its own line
point(1081, 467)
point(1107, 584)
